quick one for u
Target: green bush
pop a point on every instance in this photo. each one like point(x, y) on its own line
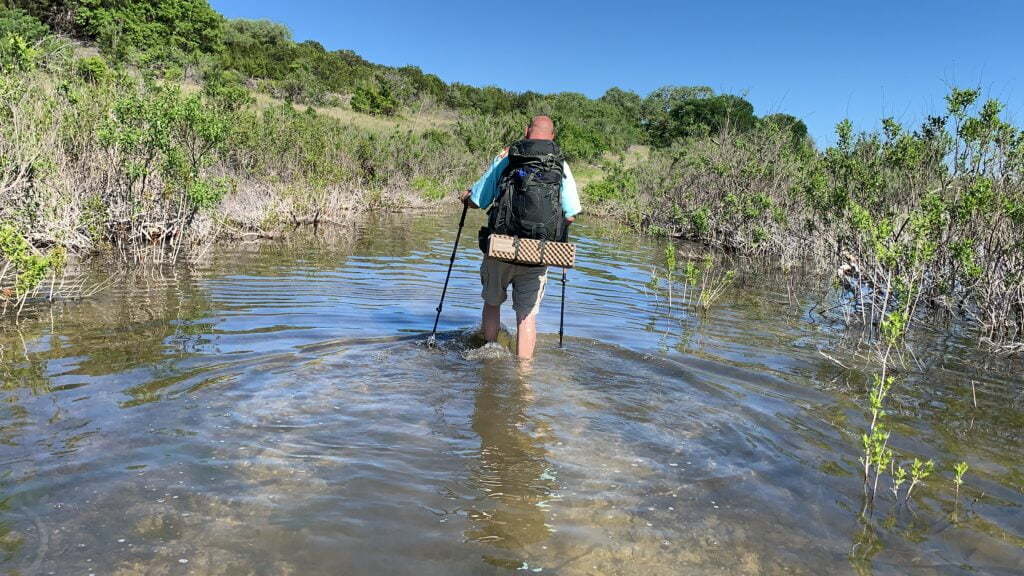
point(168, 30)
point(487, 135)
point(17, 54)
point(579, 141)
point(92, 69)
point(28, 266)
point(617, 185)
point(226, 90)
point(375, 98)
point(15, 22)
point(430, 188)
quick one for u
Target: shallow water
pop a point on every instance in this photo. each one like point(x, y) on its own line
point(275, 411)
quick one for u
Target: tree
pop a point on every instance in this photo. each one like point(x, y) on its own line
point(656, 109)
point(793, 124)
point(375, 98)
point(58, 14)
point(703, 116)
point(173, 29)
point(626, 102)
point(15, 22)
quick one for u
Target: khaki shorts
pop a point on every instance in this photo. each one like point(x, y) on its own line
point(527, 282)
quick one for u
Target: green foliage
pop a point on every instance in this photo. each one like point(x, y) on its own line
point(656, 110)
point(375, 98)
point(161, 131)
point(206, 193)
point(619, 183)
point(670, 259)
point(713, 282)
point(27, 265)
point(226, 90)
point(959, 469)
point(92, 69)
point(703, 116)
point(164, 30)
point(301, 85)
point(627, 104)
point(15, 22)
point(894, 326)
point(920, 471)
point(671, 113)
point(899, 477)
point(430, 188)
point(17, 54)
point(791, 124)
point(489, 134)
point(700, 221)
point(579, 141)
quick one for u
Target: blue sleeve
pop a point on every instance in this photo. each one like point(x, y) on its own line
point(570, 195)
point(486, 188)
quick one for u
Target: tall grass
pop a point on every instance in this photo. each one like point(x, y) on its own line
point(94, 156)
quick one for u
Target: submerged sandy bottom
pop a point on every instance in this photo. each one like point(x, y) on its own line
point(278, 412)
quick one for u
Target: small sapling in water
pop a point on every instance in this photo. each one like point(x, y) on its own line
point(959, 469)
point(670, 267)
point(899, 477)
point(919, 471)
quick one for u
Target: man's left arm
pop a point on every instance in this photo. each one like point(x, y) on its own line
point(570, 195)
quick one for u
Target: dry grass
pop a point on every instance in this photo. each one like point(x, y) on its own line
point(418, 122)
point(436, 119)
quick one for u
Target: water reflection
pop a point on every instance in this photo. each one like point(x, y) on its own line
point(513, 475)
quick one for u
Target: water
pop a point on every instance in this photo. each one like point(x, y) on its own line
point(275, 411)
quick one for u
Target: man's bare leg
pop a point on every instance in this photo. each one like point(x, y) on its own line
point(491, 322)
point(526, 335)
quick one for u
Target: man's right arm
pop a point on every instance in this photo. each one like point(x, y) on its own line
point(485, 189)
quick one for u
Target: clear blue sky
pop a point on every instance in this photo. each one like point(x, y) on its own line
point(821, 60)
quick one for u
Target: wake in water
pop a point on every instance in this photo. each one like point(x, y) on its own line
point(489, 351)
point(470, 344)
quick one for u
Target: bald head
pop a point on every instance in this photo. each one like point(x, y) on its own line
point(541, 128)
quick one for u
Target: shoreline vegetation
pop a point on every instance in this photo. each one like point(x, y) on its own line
point(147, 130)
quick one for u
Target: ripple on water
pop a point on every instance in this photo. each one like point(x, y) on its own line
point(279, 411)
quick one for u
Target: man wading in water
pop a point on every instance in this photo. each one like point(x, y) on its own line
point(531, 194)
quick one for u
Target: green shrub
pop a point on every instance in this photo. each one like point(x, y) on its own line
point(92, 69)
point(17, 54)
point(430, 188)
point(487, 135)
point(226, 90)
point(300, 85)
point(15, 22)
point(206, 193)
point(579, 141)
point(618, 184)
point(374, 98)
point(163, 30)
point(29, 267)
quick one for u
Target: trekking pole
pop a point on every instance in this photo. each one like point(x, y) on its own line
point(561, 319)
point(462, 221)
